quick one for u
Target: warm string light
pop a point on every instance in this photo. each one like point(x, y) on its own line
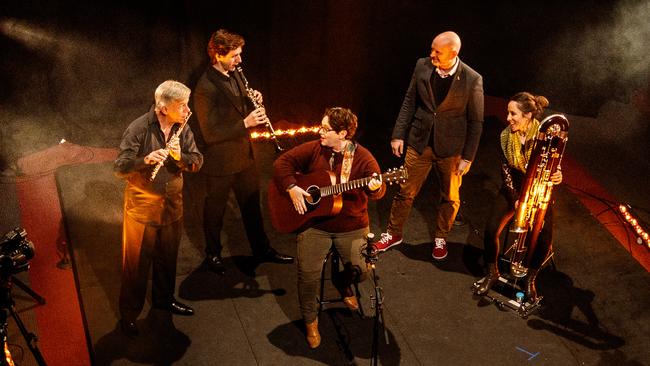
point(642, 235)
point(285, 133)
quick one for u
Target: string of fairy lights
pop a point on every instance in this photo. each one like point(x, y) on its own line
point(643, 238)
point(285, 133)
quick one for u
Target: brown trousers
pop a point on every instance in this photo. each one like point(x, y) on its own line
point(418, 167)
point(142, 246)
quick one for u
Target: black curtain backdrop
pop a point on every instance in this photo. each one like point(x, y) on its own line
point(94, 65)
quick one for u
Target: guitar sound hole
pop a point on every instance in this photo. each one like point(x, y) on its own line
point(315, 197)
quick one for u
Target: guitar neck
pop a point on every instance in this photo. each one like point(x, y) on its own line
point(343, 187)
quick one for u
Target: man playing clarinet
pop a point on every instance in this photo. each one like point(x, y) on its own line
point(225, 112)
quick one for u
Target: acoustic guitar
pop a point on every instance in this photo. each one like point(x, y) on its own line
point(325, 197)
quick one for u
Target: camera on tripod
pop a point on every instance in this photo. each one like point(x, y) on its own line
point(15, 252)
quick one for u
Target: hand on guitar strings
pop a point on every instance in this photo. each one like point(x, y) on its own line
point(298, 196)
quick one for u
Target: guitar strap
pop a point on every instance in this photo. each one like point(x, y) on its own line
point(346, 166)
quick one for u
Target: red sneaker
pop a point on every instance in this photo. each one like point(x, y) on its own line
point(387, 241)
point(439, 249)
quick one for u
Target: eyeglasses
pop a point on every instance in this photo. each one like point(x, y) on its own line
point(324, 129)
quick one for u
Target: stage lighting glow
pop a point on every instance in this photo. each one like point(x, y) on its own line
point(27, 34)
point(38, 38)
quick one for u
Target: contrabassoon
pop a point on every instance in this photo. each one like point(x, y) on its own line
point(536, 190)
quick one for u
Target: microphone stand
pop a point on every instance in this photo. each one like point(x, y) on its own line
point(376, 300)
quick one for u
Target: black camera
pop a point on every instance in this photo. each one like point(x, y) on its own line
point(15, 252)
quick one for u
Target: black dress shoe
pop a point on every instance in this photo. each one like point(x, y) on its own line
point(176, 308)
point(215, 264)
point(273, 256)
point(128, 327)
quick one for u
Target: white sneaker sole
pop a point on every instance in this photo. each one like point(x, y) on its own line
point(439, 258)
point(390, 246)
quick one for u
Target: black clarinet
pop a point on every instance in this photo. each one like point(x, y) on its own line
point(257, 105)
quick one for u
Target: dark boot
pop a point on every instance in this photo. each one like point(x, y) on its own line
point(531, 291)
point(490, 280)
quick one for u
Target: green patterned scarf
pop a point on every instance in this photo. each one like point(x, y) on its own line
point(511, 146)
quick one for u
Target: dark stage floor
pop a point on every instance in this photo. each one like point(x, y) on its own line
point(596, 299)
point(595, 310)
point(82, 71)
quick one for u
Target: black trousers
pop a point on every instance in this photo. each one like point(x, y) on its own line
point(502, 213)
point(142, 246)
point(246, 186)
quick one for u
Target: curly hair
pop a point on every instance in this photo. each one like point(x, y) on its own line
point(223, 41)
point(342, 119)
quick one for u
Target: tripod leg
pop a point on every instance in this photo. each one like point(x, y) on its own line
point(40, 299)
point(30, 338)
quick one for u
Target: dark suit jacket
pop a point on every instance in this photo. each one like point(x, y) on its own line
point(228, 149)
point(457, 122)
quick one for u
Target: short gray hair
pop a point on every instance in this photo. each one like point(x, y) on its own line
point(170, 91)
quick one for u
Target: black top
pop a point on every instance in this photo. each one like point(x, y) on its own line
point(220, 115)
point(440, 86)
point(161, 201)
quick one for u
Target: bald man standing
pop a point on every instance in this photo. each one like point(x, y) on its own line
point(439, 126)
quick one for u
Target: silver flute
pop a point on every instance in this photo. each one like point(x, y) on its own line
point(178, 132)
point(257, 105)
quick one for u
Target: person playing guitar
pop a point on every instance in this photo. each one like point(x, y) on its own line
point(346, 161)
